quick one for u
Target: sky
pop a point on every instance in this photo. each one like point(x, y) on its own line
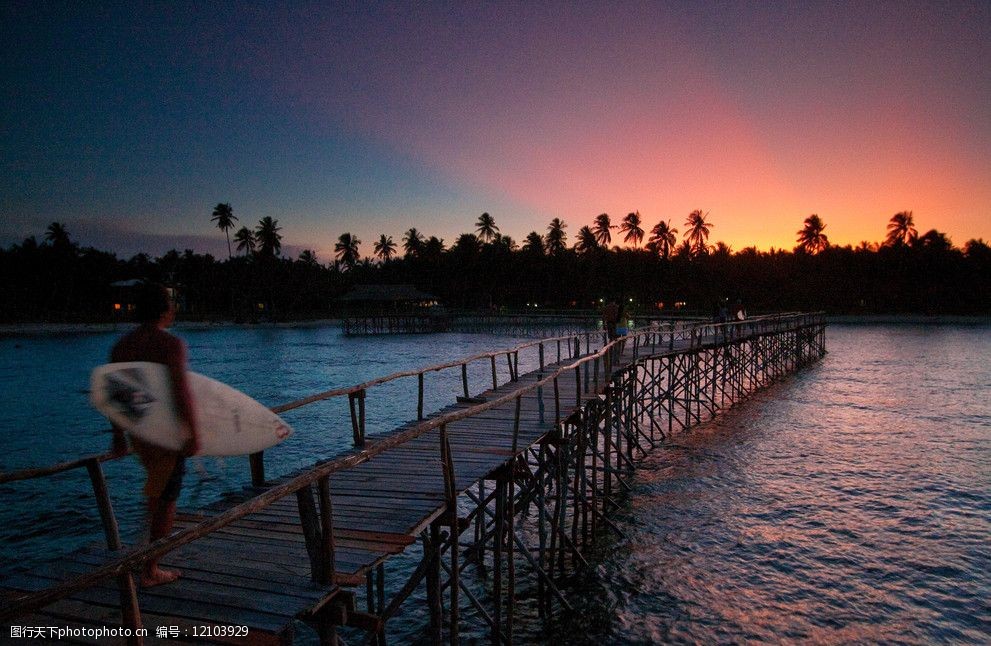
point(129, 122)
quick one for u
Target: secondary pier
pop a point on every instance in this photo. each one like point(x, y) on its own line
point(515, 479)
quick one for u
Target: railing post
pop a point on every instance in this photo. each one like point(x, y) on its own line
point(310, 524)
point(464, 379)
point(129, 609)
point(327, 551)
point(516, 425)
point(419, 396)
point(357, 416)
point(257, 463)
point(451, 497)
point(495, 379)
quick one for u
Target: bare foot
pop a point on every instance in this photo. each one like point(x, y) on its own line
point(159, 576)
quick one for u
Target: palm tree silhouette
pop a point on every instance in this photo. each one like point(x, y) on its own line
point(245, 240)
point(663, 239)
point(385, 248)
point(811, 239)
point(697, 233)
point(413, 243)
point(223, 215)
point(308, 258)
point(58, 235)
point(901, 229)
point(534, 243)
point(346, 250)
point(556, 237)
point(631, 226)
point(601, 228)
point(486, 227)
point(267, 237)
point(505, 242)
point(587, 242)
point(467, 244)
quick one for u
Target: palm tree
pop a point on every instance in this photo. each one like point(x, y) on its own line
point(556, 237)
point(245, 240)
point(58, 235)
point(697, 233)
point(223, 215)
point(385, 248)
point(587, 242)
point(505, 242)
point(433, 248)
point(486, 227)
point(346, 250)
point(811, 239)
point(601, 229)
point(267, 237)
point(467, 244)
point(534, 243)
point(308, 258)
point(934, 240)
point(901, 229)
point(413, 242)
point(663, 238)
point(631, 226)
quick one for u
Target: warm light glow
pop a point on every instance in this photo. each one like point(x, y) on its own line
point(758, 116)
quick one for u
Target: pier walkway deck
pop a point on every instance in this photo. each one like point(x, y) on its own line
point(299, 548)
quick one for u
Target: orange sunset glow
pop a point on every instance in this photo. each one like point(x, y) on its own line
point(375, 121)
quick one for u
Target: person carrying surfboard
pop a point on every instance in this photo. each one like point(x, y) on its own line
point(155, 312)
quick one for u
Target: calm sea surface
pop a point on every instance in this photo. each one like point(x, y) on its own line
point(848, 503)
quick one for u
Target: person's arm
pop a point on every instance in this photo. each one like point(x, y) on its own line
point(182, 395)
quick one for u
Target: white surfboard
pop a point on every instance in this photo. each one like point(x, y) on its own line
point(137, 397)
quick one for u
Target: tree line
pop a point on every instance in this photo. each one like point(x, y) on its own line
point(57, 280)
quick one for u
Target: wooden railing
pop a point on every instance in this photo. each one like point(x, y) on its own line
point(318, 528)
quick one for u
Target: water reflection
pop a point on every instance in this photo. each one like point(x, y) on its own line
point(851, 502)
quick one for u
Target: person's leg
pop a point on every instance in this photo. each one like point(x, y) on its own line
point(161, 516)
point(165, 470)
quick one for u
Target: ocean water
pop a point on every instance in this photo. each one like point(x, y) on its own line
point(46, 417)
point(849, 503)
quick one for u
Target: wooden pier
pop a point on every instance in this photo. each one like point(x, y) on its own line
point(516, 479)
point(526, 324)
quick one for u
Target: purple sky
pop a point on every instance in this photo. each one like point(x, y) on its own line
point(129, 122)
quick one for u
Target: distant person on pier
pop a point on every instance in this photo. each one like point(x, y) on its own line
point(720, 314)
point(739, 314)
point(610, 319)
point(155, 312)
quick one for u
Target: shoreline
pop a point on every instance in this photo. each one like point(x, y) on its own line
point(55, 329)
point(908, 319)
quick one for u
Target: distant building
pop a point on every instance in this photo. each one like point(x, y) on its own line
point(391, 309)
point(386, 299)
point(123, 296)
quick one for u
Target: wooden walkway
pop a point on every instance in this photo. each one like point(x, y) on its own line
point(258, 570)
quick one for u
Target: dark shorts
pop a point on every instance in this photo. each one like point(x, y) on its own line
point(164, 468)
